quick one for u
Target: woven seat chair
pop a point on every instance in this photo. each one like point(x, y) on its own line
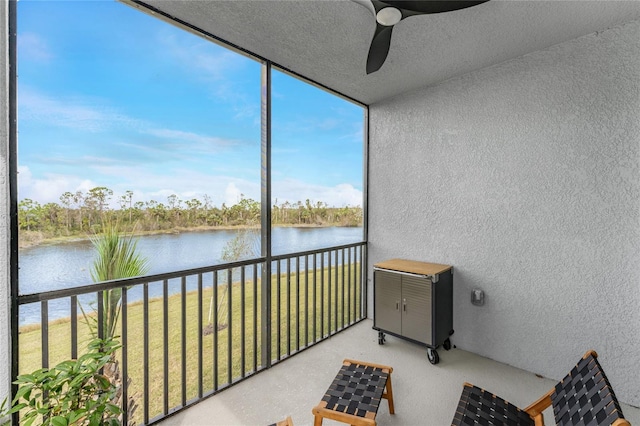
point(583, 397)
point(355, 394)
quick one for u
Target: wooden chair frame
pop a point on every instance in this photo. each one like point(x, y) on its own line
point(285, 422)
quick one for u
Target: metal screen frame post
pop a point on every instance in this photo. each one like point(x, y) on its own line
point(265, 216)
point(11, 150)
point(364, 259)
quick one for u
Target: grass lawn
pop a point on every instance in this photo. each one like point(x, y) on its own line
point(304, 303)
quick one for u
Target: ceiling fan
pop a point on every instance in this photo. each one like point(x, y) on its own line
point(390, 12)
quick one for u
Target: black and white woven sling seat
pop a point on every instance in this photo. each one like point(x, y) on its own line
point(355, 394)
point(584, 397)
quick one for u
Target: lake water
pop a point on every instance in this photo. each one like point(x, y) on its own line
point(65, 265)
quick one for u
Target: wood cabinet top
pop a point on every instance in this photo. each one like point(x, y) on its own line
point(413, 267)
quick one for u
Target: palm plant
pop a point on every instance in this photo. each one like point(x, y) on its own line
point(117, 257)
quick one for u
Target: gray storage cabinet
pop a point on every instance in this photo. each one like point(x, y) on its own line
point(414, 301)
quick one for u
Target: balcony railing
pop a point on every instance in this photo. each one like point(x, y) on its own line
point(190, 334)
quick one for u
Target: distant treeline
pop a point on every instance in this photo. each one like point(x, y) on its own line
point(81, 213)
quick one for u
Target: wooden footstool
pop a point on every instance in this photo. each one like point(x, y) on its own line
point(355, 394)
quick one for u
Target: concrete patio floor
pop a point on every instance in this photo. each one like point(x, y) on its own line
point(424, 394)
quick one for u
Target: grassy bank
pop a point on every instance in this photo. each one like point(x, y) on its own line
point(294, 326)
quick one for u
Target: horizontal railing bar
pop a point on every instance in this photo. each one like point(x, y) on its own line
point(25, 299)
point(316, 251)
point(126, 282)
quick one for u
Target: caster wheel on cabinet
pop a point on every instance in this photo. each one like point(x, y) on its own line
point(433, 357)
point(447, 345)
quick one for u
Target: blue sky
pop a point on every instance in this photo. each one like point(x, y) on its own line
point(109, 96)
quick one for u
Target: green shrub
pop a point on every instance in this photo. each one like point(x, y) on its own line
point(74, 392)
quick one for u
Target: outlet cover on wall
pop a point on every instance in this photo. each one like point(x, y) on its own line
point(477, 297)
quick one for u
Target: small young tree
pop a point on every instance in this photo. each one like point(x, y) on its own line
point(244, 245)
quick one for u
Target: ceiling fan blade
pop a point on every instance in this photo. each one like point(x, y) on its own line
point(431, 6)
point(366, 4)
point(390, 12)
point(379, 48)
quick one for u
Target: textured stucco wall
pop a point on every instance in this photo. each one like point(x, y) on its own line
point(5, 372)
point(526, 177)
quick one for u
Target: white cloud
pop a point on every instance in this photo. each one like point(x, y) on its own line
point(77, 113)
point(216, 68)
point(310, 124)
point(204, 58)
point(232, 194)
point(186, 184)
point(336, 196)
point(229, 190)
point(92, 115)
point(49, 189)
point(202, 142)
point(355, 135)
point(33, 47)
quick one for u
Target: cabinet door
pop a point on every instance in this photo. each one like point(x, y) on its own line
point(387, 314)
point(416, 308)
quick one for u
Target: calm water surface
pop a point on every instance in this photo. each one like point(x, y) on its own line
point(65, 265)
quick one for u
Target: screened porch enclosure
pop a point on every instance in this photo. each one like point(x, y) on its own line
point(516, 163)
point(187, 332)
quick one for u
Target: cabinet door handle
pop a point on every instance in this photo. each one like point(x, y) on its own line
point(404, 305)
point(397, 305)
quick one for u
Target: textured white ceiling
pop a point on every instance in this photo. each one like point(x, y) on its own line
point(328, 40)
